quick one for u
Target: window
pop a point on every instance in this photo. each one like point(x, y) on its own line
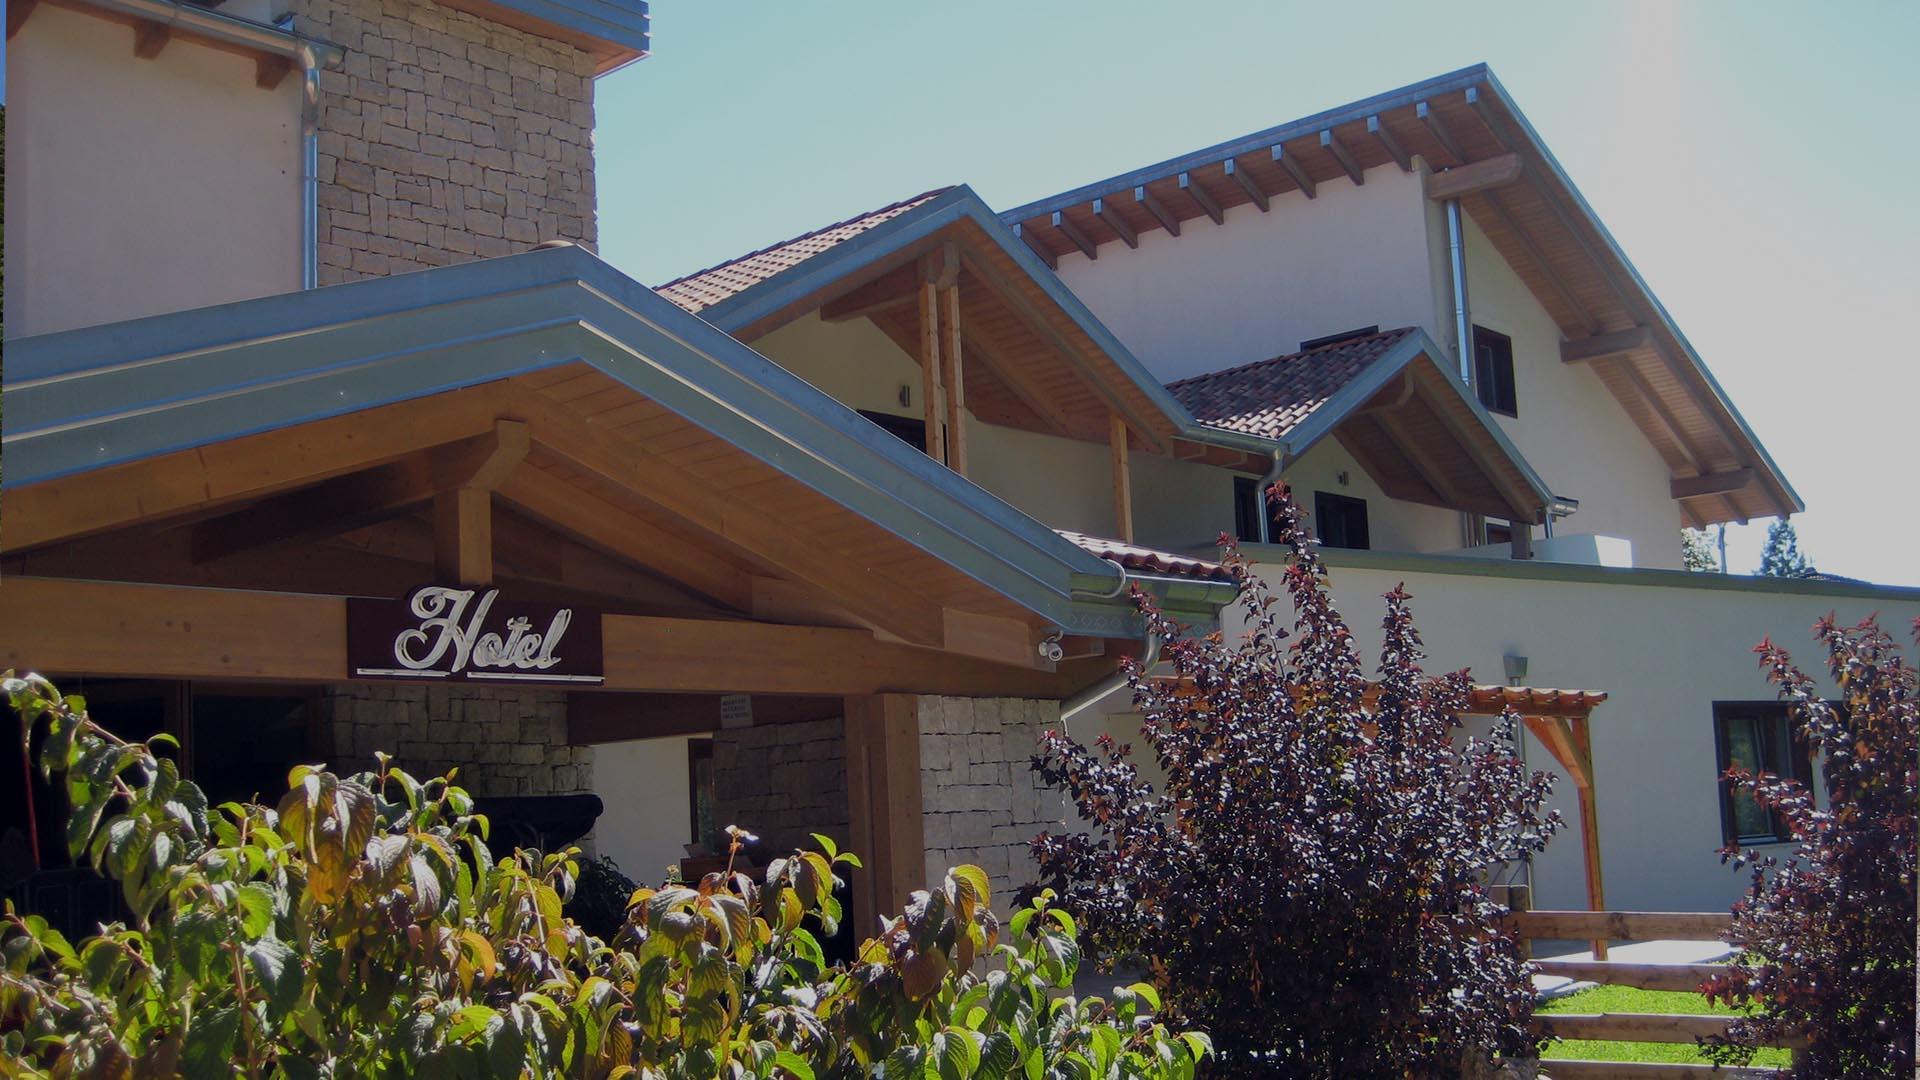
point(700, 811)
point(1493, 370)
point(1758, 737)
point(1497, 532)
point(1340, 521)
point(907, 429)
point(1335, 339)
point(1247, 510)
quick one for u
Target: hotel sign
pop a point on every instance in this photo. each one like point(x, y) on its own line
point(472, 635)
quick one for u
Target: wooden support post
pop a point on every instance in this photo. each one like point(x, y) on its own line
point(1122, 478)
point(933, 402)
point(463, 536)
point(1589, 825)
point(884, 806)
point(954, 377)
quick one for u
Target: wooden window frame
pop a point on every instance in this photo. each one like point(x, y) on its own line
point(1489, 395)
point(1800, 757)
point(1322, 500)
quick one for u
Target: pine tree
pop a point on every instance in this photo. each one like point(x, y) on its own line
point(1696, 552)
point(1781, 557)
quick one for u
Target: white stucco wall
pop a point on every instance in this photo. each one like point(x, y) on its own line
point(1256, 287)
point(137, 187)
point(1570, 426)
point(1392, 524)
point(647, 819)
point(1664, 653)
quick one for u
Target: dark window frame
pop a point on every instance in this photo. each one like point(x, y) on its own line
point(1325, 503)
point(908, 429)
point(1247, 516)
point(1799, 757)
point(699, 750)
point(1493, 379)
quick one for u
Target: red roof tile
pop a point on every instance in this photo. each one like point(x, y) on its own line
point(1271, 397)
point(1147, 560)
point(708, 287)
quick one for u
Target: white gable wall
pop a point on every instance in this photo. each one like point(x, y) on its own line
point(1219, 296)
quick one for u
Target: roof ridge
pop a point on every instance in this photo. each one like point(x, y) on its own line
point(862, 216)
point(1343, 343)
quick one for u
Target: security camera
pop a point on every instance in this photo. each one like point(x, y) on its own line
point(1050, 651)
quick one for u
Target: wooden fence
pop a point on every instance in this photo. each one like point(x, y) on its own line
point(1629, 1027)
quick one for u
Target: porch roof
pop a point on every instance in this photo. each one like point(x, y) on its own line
point(1412, 426)
point(598, 367)
point(1528, 207)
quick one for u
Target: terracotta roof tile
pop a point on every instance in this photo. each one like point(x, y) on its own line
point(1271, 397)
point(1147, 560)
point(705, 288)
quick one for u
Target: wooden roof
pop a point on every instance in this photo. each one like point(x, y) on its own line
point(1535, 217)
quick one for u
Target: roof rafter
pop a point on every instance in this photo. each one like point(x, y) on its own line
point(1331, 144)
point(1292, 165)
point(1158, 209)
point(1065, 227)
point(1388, 142)
point(1111, 218)
point(1247, 183)
point(1200, 198)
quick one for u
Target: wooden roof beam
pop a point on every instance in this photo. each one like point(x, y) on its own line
point(1663, 416)
point(1385, 137)
point(1435, 481)
point(149, 38)
point(1438, 129)
point(1111, 219)
point(1485, 175)
point(898, 288)
point(17, 12)
point(1152, 204)
point(1610, 346)
point(1331, 144)
point(1065, 227)
point(1247, 183)
point(1034, 245)
point(1471, 439)
point(1200, 198)
point(1016, 379)
point(1722, 483)
point(1478, 103)
point(1292, 165)
point(1506, 221)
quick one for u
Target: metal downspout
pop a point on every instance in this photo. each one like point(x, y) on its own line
point(1462, 315)
point(309, 168)
point(1260, 495)
point(1108, 684)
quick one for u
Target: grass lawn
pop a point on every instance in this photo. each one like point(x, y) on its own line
point(1626, 999)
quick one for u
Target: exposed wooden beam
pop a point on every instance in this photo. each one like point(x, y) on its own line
point(105, 628)
point(1111, 218)
point(1019, 382)
point(1331, 144)
point(1592, 254)
point(953, 377)
point(1609, 346)
point(1478, 103)
point(1035, 245)
point(349, 502)
point(614, 717)
point(629, 538)
point(1009, 294)
point(933, 403)
point(149, 38)
point(1630, 372)
point(1120, 452)
point(1247, 184)
point(1207, 204)
point(885, 810)
point(17, 12)
point(878, 601)
point(1409, 448)
point(1292, 165)
point(1721, 483)
point(269, 70)
point(896, 289)
point(1388, 142)
point(1065, 227)
point(463, 536)
point(1470, 439)
point(1152, 204)
point(1493, 203)
point(1438, 129)
point(1484, 175)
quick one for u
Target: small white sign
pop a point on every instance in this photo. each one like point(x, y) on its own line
point(736, 710)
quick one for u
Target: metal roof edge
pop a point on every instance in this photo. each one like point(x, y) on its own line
point(1534, 569)
point(1259, 140)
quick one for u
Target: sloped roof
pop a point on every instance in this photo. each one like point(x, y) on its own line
point(1148, 560)
point(704, 288)
point(1270, 398)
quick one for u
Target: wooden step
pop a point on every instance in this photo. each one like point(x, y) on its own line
point(1685, 978)
point(1623, 925)
point(1649, 1070)
point(1636, 1027)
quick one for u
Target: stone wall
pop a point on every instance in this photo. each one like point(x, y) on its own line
point(505, 741)
point(783, 781)
point(982, 803)
point(445, 138)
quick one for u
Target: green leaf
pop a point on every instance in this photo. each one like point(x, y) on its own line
point(955, 1054)
point(1148, 994)
point(208, 1049)
point(998, 1056)
point(277, 970)
point(792, 1063)
point(256, 910)
point(826, 844)
point(1199, 1044)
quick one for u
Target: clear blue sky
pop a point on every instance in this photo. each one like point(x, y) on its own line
point(1756, 161)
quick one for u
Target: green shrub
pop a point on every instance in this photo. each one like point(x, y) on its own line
point(360, 929)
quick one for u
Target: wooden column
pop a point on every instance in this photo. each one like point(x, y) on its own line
point(1122, 478)
point(463, 536)
point(884, 807)
point(953, 376)
point(1570, 744)
point(933, 401)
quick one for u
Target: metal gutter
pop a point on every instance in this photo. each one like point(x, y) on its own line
point(1462, 314)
